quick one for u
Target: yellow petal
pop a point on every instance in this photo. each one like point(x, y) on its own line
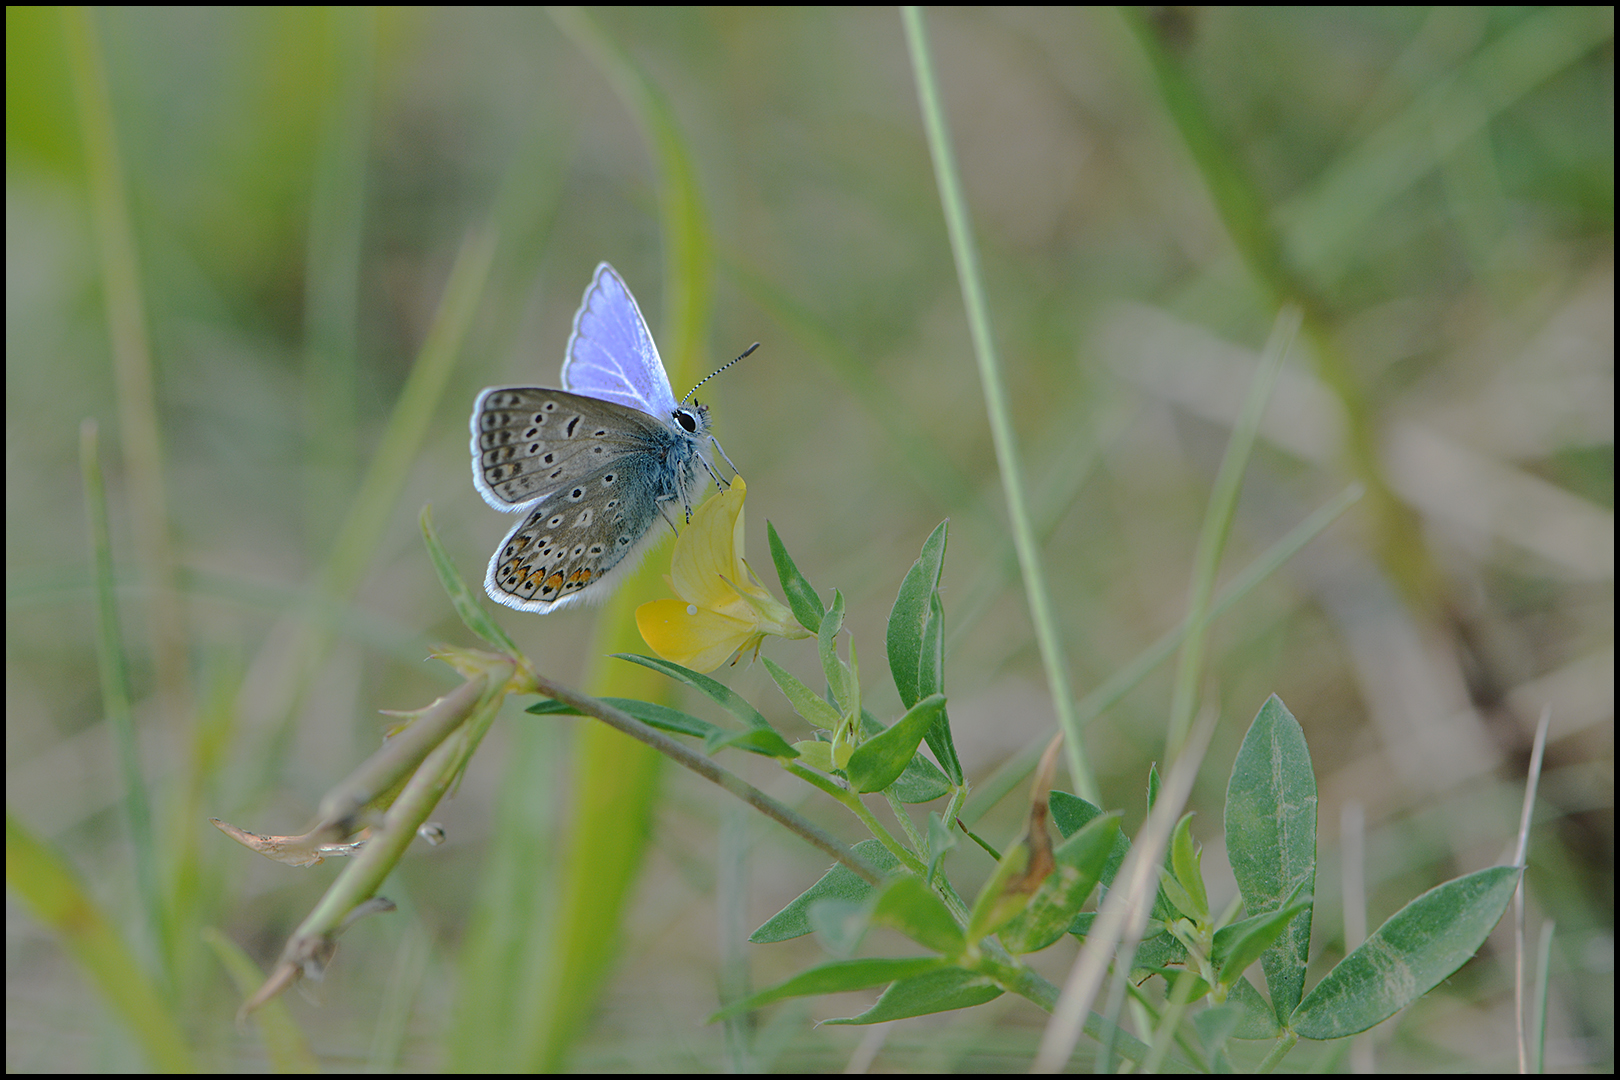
point(690, 635)
point(709, 550)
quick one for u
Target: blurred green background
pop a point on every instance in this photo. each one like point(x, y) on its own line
point(295, 187)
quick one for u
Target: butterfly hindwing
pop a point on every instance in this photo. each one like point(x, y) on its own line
point(578, 535)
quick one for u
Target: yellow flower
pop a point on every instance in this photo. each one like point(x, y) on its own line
point(722, 607)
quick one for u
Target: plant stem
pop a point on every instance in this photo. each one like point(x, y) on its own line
point(706, 768)
point(954, 206)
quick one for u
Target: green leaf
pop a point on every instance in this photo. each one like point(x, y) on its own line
point(661, 717)
point(1258, 1021)
point(934, 992)
point(817, 755)
point(916, 638)
point(1418, 947)
point(854, 670)
point(1172, 891)
point(879, 761)
point(921, 781)
point(1271, 839)
point(1214, 1026)
point(840, 925)
point(1197, 988)
point(998, 901)
point(910, 614)
point(1051, 912)
point(801, 595)
point(834, 978)
point(805, 701)
point(468, 606)
point(1070, 813)
point(931, 680)
point(1185, 861)
point(840, 883)
point(1242, 943)
point(1159, 952)
point(912, 908)
point(755, 740)
point(832, 668)
point(729, 699)
point(931, 655)
point(943, 744)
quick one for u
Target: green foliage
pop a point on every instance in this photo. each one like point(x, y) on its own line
point(758, 740)
point(805, 701)
point(920, 781)
point(728, 698)
point(916, 644)
point(650, 713)
point(801, 595)
point(1416, 948)
point(1079, 863)
point(938, 991)
point(238, 297)
point(878, 762)
point(836, 977)
point(1000, 900)
point(1271, 839)
point(838, 884)
point(1035, 892)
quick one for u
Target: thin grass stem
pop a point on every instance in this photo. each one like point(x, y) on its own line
point(957, 224)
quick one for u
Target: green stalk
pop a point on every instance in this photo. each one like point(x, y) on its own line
point(1117, 685)
point(1218, 527)
point(954, 205)
point(115, 699)
point(139, 426)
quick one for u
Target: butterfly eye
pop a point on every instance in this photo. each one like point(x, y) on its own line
point(687, 419)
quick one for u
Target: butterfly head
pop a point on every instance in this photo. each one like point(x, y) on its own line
point(692, 419)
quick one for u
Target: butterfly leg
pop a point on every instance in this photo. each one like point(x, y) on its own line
point(665, 513)
point(727, 457)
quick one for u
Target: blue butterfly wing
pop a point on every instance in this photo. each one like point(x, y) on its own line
point(611, 354)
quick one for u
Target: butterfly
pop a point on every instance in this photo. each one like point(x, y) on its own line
point(591, 466)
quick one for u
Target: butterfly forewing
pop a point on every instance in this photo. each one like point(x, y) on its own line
point(610, 353)
point(532, 442)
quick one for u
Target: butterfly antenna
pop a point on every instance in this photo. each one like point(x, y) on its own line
point(717, 371)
